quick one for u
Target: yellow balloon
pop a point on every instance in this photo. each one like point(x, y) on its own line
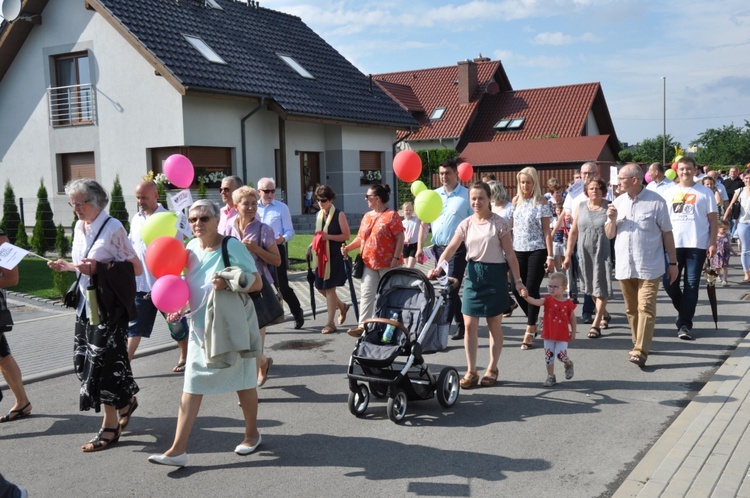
point(158, 225)
point(670, 174)
point(417, 187)
point(428, 205)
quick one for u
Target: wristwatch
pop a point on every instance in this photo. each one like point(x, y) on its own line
point(672, 264)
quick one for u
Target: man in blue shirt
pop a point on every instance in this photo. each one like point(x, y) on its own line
point(276, 215)
point(456, 208)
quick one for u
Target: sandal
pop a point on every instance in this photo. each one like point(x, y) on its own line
point(329, 329)
point(180, 367)
point(14, 415)
point(342, 314)
point(263, 377)
point(595, 333)
point(490, 377)
point(100, 443)
point(126, 416)
point(637, 359)
point(471, 379)
point(604, 323)
point(528, 345)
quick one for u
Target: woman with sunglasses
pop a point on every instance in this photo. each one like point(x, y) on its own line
point(381, 239)
point(205, 260)
point(331, 231)
point(103, 256)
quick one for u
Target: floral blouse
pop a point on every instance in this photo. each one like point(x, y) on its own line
point(527, 225)
point(378, 232)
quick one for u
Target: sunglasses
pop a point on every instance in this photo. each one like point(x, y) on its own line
point(267, 190)
point(370, 196)
point(225, 189)
point(202, 219)
point(322, 200)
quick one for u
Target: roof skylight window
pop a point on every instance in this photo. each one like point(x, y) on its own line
point(506, 124)
point(296, 66)
point(437, 113)
point(204, 49)
point(516, 123)
point(214, 5)
point(502, 124)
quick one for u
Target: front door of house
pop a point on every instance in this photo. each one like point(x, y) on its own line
point(309, 169)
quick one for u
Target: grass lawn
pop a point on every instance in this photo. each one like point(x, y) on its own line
point(36, 279)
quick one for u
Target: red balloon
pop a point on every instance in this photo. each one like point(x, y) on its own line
point(465, 172)
point(165, 256)
point(674, 166)
point(407, 165)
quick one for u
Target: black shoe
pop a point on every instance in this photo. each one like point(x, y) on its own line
point(459, 335)
point(299, 320)
point(587, 318)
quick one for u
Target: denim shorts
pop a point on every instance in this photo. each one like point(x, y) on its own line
point(144, 324)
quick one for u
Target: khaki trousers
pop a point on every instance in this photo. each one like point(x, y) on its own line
point(640, 308)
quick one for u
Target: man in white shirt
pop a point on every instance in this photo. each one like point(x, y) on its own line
point(146, 196)
point(659, 182)
point(276, 215)
point(228, 213)
point(640, 219)
point(692, 210)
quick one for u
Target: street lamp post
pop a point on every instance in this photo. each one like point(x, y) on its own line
point(664, 123)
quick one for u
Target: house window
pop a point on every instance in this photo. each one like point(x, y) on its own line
point(204, 49)
point(75, 165)
point(211, 163)
point(437, 114)
point(370, 167)
point(509, 124)
point(516, 124)
point(72, 99)
point(501, 125)
point(296, 66)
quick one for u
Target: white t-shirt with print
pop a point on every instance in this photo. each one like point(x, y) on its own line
point(689, 208)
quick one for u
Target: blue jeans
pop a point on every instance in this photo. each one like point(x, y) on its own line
point(743, 232)
point(689, 268)
point(456, 269)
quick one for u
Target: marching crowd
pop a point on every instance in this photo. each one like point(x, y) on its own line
point(500, 249)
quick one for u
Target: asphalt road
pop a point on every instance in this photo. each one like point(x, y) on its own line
point(579, 438)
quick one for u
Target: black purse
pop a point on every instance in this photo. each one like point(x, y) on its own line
point(266, 301)
point(359, 267)
point(6, 320)
point(72, 298)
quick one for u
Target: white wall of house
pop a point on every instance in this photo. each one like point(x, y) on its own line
point(592, 128)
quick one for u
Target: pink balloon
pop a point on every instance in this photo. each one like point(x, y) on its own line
point(465, 172)
point(170, 293)
point(648, 177)
point(179, 170)
point(407, 165)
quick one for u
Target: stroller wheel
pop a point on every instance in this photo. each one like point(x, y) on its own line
point(448, 387)
point(358, 401)
point(378, 390)
point(397, 406)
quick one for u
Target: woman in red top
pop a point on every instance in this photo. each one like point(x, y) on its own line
point(381, 239)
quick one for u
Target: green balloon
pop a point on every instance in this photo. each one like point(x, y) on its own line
point(428, 205)
point(158, 225)
point(417, 187)
point(670, 174)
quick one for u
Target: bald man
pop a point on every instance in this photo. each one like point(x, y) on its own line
point(146, 195)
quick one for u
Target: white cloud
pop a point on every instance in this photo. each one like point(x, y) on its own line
point(558, 39)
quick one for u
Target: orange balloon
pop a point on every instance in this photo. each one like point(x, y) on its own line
point(165, 256)
point(407, 165)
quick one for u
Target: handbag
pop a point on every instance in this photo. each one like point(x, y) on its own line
point(266, 301)
point(359, 266)
point(6, 320)
point(72, 298)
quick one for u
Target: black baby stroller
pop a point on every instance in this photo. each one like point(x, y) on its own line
point(406, 300)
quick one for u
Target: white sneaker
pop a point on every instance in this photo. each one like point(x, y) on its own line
point(551, 381)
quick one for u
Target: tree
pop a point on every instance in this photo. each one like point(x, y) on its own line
point(117, 207)
point(650, 150)
point(729, 145)
point(43, 237)
point(11, 219)
point(202, 190)
point(22, 240)
point(62, 243)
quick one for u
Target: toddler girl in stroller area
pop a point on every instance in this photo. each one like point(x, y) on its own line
point(559, 313)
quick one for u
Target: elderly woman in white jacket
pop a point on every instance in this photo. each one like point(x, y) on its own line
point(205, 261)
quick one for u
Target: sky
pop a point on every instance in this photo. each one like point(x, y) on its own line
point(702, 47)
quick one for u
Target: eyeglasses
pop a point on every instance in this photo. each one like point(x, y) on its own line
point(267, 190)
point(202, 219)
point(322, 200)
point(76, 205)
point(370, 196)
point(624, 178)
point(225, 189)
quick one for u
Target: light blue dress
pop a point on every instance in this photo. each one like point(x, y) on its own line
point(199, 379)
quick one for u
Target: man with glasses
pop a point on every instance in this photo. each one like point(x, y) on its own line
point(639, 219)
point(456, 208)
point(276, 215)
point(228, 213)
point(693, 212)
point(576, 196)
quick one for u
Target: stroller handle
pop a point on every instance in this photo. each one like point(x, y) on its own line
point(453, 282)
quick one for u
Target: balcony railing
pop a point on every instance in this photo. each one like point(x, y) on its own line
point(72, 105)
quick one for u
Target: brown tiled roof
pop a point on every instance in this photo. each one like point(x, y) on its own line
point(436, 87)
point(547, 151)
point(560, 111)
point(403, 94)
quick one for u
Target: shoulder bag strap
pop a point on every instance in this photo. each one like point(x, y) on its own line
point(225, 250)
point(78, 280)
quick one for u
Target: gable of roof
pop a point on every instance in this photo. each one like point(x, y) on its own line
point(543, 151)
point(560, 111)
point(13, 35)
point(249, 39)
point(437, 87)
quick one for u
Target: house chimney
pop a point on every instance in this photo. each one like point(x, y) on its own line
point(482, 58)
point(467, 81)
